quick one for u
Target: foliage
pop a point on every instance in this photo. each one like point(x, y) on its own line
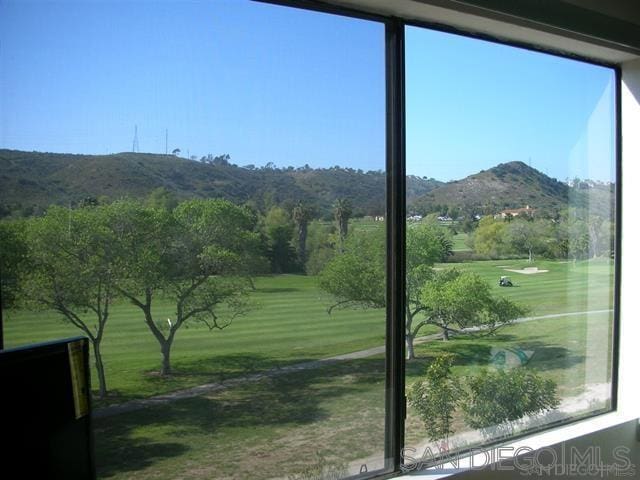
point(436, 397)
point(489, 237)
point(13, 252)
point(508, 185)
point(32, 181)
point(320, 246)
point(496, 399)
point(356, 277)
point(456, 301)
point(70, 270)
point(279, 227)
point(342, 211)
point(302, 215)
point(200, 256)
point(531, 237)
point(450, 300)
point(162, 198)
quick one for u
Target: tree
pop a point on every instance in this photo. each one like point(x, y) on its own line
point(529, 236)
point(279, 231)
point(342, 212)
point(450, 300)
point(436, 398)
point(458, 301)
point(161, 197)
point(301, 216)
point(70, 270)
point(495, 400)
point(199, 256)
point(489, 237)
point(13, 252)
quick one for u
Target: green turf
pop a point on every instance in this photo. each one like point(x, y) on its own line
point(460, 242)
point(289, 324)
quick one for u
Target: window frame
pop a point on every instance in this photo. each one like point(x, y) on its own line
point(395, 404)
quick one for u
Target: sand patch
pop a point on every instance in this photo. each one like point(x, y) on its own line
point(527, 270)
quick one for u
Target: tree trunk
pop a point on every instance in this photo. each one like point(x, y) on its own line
point(102, 381)
point(445, 334)
point(530, 255)
point(165, 348)
point(410, 351)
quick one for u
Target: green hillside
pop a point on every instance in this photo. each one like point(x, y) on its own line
point(508, 185)
point(30, 181)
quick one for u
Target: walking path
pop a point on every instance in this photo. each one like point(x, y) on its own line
point(135, 405)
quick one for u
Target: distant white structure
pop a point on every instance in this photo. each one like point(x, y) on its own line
point(516, 212)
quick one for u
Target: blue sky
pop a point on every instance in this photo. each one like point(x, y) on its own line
point(271, 84)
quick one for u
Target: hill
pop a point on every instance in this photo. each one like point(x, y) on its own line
point(508, 185)
point(30, 181)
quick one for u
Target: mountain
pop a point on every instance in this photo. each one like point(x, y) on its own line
point(508, 185)
point(30, 181)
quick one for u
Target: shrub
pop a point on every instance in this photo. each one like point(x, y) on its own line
point(496, 399)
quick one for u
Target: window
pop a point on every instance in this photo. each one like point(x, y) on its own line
point(256, 212)
point(513, 322)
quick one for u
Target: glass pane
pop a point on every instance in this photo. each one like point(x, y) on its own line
point(194, 185)
point(510, 255)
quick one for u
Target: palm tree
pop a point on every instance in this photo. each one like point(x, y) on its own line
point(342, 212)
point(301, 216)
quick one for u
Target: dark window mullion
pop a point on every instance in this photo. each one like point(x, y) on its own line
point(395, 223)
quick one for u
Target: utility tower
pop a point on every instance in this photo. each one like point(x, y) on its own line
point(136, 147)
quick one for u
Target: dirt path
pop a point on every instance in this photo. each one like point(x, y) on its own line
point(135, 405)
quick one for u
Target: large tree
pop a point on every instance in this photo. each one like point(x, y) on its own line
point(13, 251)
point(489, 238)
point(278, 228)
point(356, 278)
point(342, 213)
point(458, 302)
point(528, 236)
point(70, 270)
point(301, 216)
point(199, 256)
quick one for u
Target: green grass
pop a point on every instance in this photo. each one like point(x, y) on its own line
point(289, 324)
point(566, 287)
point(279, 424)
point(460, 242)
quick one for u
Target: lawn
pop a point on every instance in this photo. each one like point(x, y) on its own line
point(289, 323)
point(279, 424)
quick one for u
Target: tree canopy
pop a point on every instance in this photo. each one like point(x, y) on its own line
point(451, 300)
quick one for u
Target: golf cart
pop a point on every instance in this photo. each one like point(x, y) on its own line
point(505, 282)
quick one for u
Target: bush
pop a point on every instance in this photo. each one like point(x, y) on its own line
point(496, 400)
point(436, 398)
